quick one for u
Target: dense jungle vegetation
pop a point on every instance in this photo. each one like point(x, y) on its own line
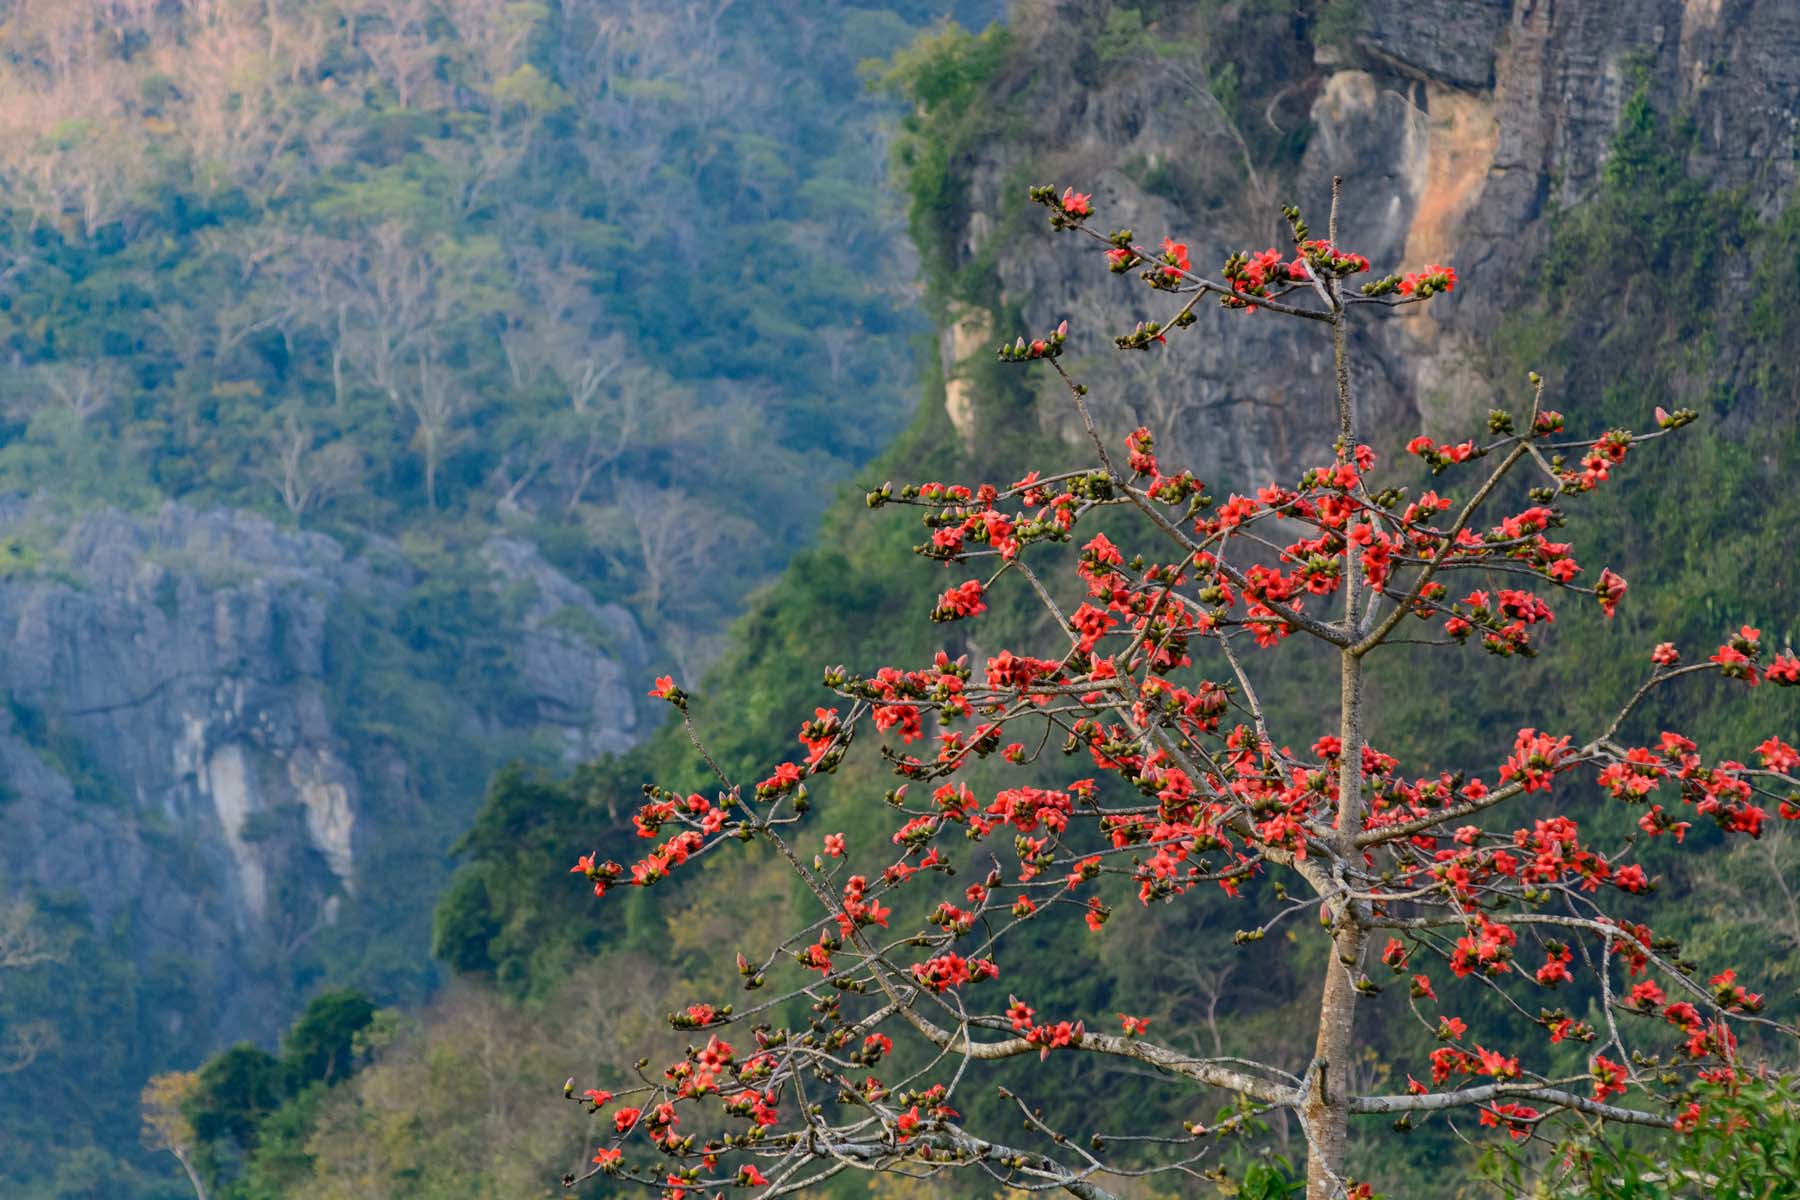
point(412, 274)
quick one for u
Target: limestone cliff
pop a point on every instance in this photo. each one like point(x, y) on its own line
point(1459, 127)
point(182, 737)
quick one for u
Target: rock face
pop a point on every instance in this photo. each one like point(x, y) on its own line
point(1458, 127)
point(173, 726)
point(582, 697)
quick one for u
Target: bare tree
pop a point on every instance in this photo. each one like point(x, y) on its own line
point(671, 537)
point(388, 287)
point(306, 474)
point(24, 944)
point(89, 174)
point(318, 275)
point(436, 404)
point(1760, 886)
point(399, 46)
point(610, 408)
point(261, 300)
point(85, 388)
point(481, 151)
point(226, 88)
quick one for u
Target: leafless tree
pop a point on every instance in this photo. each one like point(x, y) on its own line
point(388, 284)
point(305, 474)
point(85, 388)
point(400, 48)
point(662, 537)
point(318, 275)
point(24, 944)
point(436, 403)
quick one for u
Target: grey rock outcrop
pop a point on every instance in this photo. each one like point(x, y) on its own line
point(172, 740)
point(584, 697)
point(1458, 126)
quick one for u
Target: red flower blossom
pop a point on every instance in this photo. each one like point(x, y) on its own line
point(1434, 278)
point(963, 600)
point(1175, 254)
point(1609, 591)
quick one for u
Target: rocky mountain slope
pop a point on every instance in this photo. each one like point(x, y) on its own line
point(176, 725)
point(345, 455)
point(1460, 128)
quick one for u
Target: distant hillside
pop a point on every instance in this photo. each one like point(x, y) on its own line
point(369, 374)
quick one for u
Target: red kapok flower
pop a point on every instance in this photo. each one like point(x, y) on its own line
point(1609, 591)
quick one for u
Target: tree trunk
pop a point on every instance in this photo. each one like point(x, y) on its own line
point(1327, 1112)
point(193, 1175)
point(431, 473)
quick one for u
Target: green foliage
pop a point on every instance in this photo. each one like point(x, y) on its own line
point(238, 1090)
point(501, 917)
point(1649, 220)
point(515, 916)
point(567, 279)
point(1273, 1179)
point(468, 1102)
point(72, 1024)
point(1337, 22)
point(1747, 1147)
point(47, 732)
point(945, 76)
point(253, 1113)
point(281, 1161)
point(1689, 520)
point(320, 1048)
point(1704, 516)
point(547, 265)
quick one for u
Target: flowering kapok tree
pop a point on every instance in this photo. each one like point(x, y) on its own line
point(1186, 795)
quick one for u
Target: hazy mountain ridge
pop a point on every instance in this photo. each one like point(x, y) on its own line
point(367, 371)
